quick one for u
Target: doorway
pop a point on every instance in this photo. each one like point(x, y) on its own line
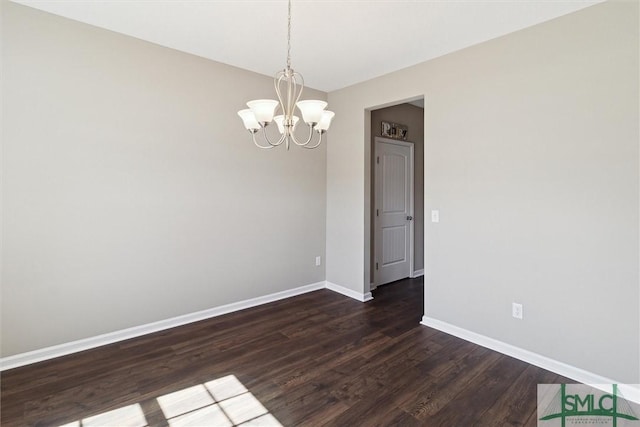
point(410, 117)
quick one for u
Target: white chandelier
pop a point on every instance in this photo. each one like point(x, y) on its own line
point(289, 85)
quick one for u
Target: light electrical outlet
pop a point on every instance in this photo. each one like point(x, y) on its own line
point(516, 310)
point(318, 261)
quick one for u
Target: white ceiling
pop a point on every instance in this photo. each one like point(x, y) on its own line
point(334, 43)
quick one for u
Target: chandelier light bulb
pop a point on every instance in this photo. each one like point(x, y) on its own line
point(280, 122)
point(311, 110)
point(263, 109)
point(325, 121)
point(249, 120)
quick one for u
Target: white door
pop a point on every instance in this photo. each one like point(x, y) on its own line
point(393, 239)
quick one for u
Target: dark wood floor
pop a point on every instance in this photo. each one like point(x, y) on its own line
point(316, 359)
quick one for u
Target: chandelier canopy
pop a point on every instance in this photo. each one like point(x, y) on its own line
point(288, 85)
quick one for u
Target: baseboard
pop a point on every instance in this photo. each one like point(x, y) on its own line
point(47, 353)
point(362, 297)
point(630, 392)
point(417, 273)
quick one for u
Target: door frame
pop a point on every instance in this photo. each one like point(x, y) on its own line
point(375, 205)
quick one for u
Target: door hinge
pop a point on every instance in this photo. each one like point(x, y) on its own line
point(376, 265)
point(378, 160)
point(377, 212)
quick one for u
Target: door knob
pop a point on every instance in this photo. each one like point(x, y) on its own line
point(409, 217)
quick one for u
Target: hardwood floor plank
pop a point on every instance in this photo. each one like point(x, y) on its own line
point(469, 406)
point(521, 398)
point(438, 391)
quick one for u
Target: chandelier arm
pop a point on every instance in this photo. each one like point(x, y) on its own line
point(301, 84)
point(264, 147)
point(317, 145)
point(302, 144)
point(291, 87)
point(276, 83)
point(273, 144)
point(299, 87)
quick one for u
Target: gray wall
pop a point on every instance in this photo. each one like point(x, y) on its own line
point(413, 118)
point(531, 156)
point(132, 192)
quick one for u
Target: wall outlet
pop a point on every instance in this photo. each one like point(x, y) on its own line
point(318, 261)
point(516, 310)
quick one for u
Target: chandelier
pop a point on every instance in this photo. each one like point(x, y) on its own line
point(288, 85)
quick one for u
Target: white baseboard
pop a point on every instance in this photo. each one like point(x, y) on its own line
point(417, 273)
point(47, 353)
point(630, 392)
point(136, 331)
point(362, 297)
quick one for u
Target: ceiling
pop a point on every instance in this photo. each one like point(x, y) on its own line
point(335, 43)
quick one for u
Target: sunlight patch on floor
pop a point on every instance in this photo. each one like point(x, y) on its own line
point(129, 416)
point(223, 402)
point(183, 401)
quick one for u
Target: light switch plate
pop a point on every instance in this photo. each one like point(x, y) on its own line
point(516, 310)
point(435, 216)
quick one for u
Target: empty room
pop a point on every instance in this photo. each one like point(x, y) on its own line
point(441, 228)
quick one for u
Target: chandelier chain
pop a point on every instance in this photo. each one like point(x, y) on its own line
point(289, 37)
